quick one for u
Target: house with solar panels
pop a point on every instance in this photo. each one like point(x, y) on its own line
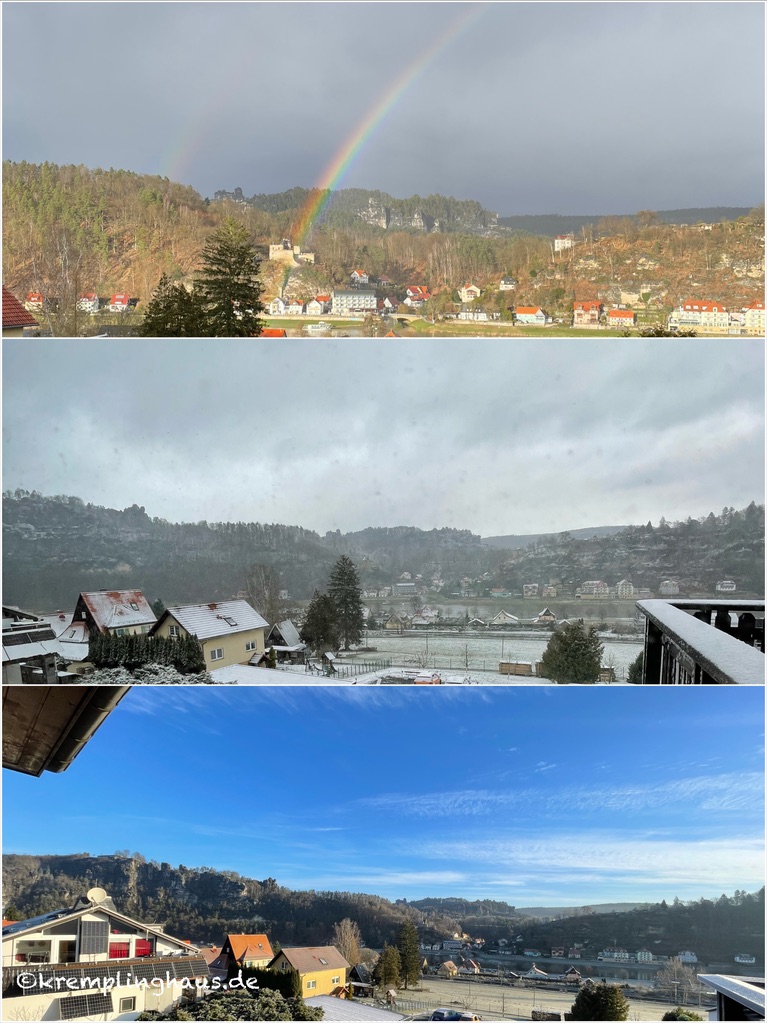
point(229, 632)
point(93, 961)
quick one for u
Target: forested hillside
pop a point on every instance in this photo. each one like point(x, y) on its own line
point(204, 904)
point(54, 547)
point(71, 230)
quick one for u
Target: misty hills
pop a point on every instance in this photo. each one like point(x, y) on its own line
point(203, 904)
point(55, 547)
point(515, 541)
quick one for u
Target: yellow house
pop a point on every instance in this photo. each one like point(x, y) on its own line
point(322, 969)
point(229, 632)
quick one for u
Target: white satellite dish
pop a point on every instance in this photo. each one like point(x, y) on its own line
point(96, 895)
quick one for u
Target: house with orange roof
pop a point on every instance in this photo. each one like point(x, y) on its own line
point(318, 306)
point(358, 277)
point(119, 303)
point(34, 302)
point(15, 317)
point(587, 314)
point(295, 307)
point(322, 969)
point(531, 314)
point(754, 318)
point(246, 950)
point(621, 317)
point(88, 302)
point(273, 332)
point(700, 314)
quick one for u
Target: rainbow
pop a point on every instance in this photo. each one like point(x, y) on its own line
point(342, 161)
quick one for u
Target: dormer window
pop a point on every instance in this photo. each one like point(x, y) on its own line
point(134, 605)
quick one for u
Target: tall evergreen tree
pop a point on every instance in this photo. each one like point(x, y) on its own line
point(573, 654)
point(347, 596)
point(173, 311)
point(229, 285)
point(387, 970)
point(320, 628)
point(409, 952)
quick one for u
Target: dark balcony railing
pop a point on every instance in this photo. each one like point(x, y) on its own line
point(691, 642)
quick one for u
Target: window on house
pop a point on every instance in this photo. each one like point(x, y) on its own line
point(335, 980)
point(251, 645)
point(311, 984)
point(229, 621)
point(127, 1004)
point(119, 949)
point(173, 630)
point(217, 654)
point(144, 947)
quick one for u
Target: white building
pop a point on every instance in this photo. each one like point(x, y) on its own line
point(669, 588)
point(348, 302)
point(76, 954)
point(754, 318)
point(564, 241)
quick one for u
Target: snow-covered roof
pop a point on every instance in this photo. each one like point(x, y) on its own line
point(217, 619)
point(116, 609)
point(66, 651)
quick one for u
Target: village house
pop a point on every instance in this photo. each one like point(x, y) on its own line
point(322, 969)
point(88, 302)
point(16, 319)
point(112, 613)
point(549, 591)
point(417, 291)
point(644, 955)
point(507, 284)
point(530, 590)
point(469, 292)
point(247, 950)
point(277, 306)
point(545, 617)
point(587, 314)
point(503, 618)
point(284, 639)
point(563, 241)
point(119, 303)
point(295, 307)
point(530, 314)
point(726, 586)
point(448, 969)
point(93, 942)
point(594, 588)
point(753, 318)
point(34, 302)
point(669, 588)
point(621, 318)
point(229, 632)
point(624, 590)
point(319, 305)
point(358, 277)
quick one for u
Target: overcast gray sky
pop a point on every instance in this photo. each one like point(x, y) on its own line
point(494, 436)
point(528, 108)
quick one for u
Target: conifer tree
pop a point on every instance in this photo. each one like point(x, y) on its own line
point(228, 283)
point(573, 654)
point(320, 628)
point(410, 955)
point(347, 596)
point(173, 311)
point(387, 970)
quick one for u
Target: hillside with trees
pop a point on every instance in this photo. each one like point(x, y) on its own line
point(55, 547)
point(69, 230)
point(205, 904)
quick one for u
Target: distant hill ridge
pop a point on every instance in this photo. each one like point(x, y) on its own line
point(551, 224)
point(517, 540)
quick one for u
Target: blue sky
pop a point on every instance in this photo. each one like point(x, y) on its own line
point(554, 796)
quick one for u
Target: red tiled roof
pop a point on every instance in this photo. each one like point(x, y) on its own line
point(250, 946)
point(528, 309)
point(273, 332)
point(754, 305)
point(14, 313)
point(587, 305)
point(123, 299)
point(323, 298)
point(621, 314)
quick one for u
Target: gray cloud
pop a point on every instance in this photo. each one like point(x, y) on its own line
point(580, 108)
point(494, 436)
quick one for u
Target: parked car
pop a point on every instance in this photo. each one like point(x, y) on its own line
point(445, 1014)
